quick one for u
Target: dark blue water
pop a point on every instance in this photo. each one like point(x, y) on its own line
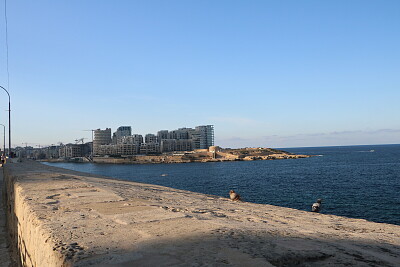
point(353, 181)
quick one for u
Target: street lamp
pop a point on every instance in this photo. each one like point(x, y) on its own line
point(9, 121)
point(4, 142)
point(92, 141)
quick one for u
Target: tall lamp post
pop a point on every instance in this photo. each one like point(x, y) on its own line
point(9, 121)
point(92, 140)
point(4, 142)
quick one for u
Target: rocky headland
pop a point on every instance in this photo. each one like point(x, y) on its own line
point(213, 154)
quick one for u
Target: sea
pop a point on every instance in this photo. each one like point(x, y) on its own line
point(352, 181)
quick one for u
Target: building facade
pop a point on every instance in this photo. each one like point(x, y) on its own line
point(204, 136)
point(122, 131)
point(150, 148)
point(124, 143)
point(150, 138)
point(101, 137)
point(70, 151)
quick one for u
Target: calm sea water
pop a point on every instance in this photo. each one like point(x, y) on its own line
point(353, 181)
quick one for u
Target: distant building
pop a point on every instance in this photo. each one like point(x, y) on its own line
point(133, 139)
point(121, 132)
point(167, 145)
point(182, 133)
point(150, 138)
point(161, 135)
point(203, 136)
point(24, 152)
point(150, 148)
point(124, 143)
point(170, 145)
point(127, 149)
point(101, 137)
point(70, 151)
point(105, 150)
point(184, 145)
point(52, 152)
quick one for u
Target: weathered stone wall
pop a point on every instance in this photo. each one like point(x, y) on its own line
point(29, 239)
point(59, 217)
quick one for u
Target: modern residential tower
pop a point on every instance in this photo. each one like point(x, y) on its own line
point(101, 137)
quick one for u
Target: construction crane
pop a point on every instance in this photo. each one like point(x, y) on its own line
point(80, 140)
point(26, 144)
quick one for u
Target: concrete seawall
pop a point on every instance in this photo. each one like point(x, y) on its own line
point(58, 217)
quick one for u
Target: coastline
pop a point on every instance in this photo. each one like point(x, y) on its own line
point(214, 154)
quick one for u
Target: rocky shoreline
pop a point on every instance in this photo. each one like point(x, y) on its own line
point(213, 154)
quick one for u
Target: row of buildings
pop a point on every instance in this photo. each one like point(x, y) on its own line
point(124, 143)
point(54, 151)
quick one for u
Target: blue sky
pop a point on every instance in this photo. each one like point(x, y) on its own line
point(265, 73)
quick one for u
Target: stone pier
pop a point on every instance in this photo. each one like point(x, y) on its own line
point(58, 217)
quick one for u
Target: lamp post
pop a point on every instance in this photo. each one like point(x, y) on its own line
point(9, 121)
point(4, 142)
point(92, 154)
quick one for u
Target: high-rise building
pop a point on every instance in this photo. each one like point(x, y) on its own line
point(121, 131)
point(150, 138)
point(203, 136)
point(101, 137)
point(161, 135)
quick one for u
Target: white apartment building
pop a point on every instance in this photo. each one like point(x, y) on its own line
point(70, 151)
point(150, 148)
point(182, 139)
point(133, 139)
point(127, 149)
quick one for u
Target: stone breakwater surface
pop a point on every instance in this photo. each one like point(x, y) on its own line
point(58, 217)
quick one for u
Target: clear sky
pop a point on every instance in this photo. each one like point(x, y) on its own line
point(265, 73)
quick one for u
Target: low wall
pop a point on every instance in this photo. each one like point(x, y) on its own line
point(58, 217)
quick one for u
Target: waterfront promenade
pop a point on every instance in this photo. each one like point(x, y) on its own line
point(66, 218)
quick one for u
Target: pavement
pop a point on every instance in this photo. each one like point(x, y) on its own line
point(4, 251)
